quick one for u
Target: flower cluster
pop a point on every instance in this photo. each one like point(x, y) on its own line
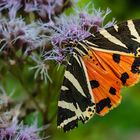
point(41, 8)
point(10, 128)
point(16, 34)
point(79, 26)
point(15, 131)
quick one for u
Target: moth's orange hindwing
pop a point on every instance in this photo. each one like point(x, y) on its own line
point(76, 101)
point(107, 78)
point(113, 61)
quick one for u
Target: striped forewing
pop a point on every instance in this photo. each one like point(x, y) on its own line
point(123, 38)
point(76, 101)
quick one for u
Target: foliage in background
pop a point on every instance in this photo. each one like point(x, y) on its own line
point(26, 68)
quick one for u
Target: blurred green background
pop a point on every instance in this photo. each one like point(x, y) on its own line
point(122, 123)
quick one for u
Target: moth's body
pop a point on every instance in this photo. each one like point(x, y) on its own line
point(98, 68)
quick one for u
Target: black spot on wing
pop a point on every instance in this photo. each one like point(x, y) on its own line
point(124, 77)
point(64, 114)
point(71, 125)
point(112, 91)
point(116, 58)
point(94, 84)
point(102, 104)
point(87, 118)
point(72, 95)
point(89, 110)
point(136, 66)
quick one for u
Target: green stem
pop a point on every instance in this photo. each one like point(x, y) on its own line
point(17, 75)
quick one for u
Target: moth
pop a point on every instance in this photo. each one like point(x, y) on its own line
point(99, 67)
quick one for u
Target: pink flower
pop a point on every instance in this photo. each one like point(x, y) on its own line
point(15, 131)
point(42, 8)
point(77, 26)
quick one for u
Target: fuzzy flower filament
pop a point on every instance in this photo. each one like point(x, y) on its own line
point(79, 26)
point(17, 131)
point(40, 8)
point(76, 27)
